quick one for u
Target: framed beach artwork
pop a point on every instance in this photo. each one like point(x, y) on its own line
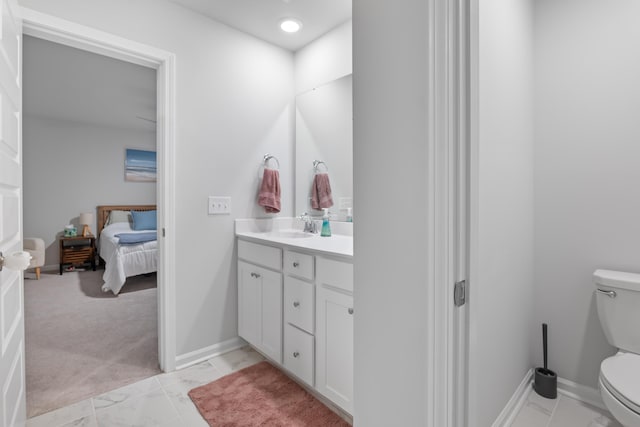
point(140, 166)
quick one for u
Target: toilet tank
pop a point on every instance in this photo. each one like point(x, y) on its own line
point(618, 302)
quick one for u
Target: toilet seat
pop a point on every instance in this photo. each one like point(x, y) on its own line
point(621, 413)
point(620, 375)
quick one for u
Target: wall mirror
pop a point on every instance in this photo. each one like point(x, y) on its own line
point(324, 132)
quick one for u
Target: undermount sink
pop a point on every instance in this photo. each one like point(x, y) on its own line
point(290, 234)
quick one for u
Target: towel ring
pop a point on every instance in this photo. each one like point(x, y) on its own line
point(268, 157)
point(317, 163)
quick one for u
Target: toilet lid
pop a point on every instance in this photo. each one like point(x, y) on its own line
point(622, 373)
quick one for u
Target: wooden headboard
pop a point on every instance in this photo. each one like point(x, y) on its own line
point(104, 211)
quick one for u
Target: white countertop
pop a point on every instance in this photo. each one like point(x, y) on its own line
point(288, 232)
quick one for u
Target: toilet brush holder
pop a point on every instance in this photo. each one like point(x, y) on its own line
point(545, 381)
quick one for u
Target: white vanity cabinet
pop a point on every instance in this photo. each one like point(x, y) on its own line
point(296, 307)
point(260, 298)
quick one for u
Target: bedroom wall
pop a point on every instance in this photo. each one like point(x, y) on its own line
point(74, 141)
point(71, 168)
point(233, 104)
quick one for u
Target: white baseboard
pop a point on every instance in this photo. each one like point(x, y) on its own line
point(509, 413)
point(188, 359)
point(581, 392)
point(568, 388)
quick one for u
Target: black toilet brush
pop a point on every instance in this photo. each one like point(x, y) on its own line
point(546, 381)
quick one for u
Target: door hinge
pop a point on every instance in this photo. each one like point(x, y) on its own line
point(163, 233)
point(460, 293)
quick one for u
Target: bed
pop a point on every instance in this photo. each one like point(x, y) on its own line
point(122, 261)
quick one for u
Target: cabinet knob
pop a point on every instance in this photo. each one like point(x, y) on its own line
point(296, 304)
point(296, 354)
point(256, 275)
point(296, 264)
point(350, 310)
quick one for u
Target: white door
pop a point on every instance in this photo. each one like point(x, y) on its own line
point(260, 308)
point(12, 377)
point(334, 346)
point(249, 305)
point(271, 338)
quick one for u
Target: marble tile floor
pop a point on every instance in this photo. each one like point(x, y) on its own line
point(161, 400)
point(564, 411)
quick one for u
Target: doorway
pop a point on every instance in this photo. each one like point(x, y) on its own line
point(82, 114)
point(54, 29)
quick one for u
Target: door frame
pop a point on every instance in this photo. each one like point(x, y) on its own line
point(449, 154)
point(64, 32)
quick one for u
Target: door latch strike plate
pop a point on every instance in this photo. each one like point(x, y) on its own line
point(460, 293)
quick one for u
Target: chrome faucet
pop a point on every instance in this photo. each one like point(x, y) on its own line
point(309, 224)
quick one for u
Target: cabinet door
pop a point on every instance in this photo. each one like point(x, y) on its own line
point(334, 346)
point(249, 305)
point(271, 315)
point(260, 308)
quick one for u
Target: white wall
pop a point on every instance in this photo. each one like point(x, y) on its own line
point(233, 98)
point(586, 153)
point(325, 59)
point(390, 46)
point(501, 271)
point(74, 141)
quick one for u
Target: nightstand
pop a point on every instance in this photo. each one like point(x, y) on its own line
point(77, 250)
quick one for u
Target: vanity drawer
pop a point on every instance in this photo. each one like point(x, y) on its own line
point(267, 256)
point(298, 264)
point(299, 303)
point(334, 273)
point(299, 353)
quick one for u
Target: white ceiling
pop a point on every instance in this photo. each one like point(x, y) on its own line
point(261, 18)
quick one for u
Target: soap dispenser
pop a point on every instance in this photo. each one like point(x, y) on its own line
point(349, 215)
point(326, 228)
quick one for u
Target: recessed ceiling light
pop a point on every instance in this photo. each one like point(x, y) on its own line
point(290, 25)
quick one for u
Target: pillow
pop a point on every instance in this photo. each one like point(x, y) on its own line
point(144, 220)
point(118, 216)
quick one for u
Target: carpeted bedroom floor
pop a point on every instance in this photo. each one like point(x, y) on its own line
point(81, 342)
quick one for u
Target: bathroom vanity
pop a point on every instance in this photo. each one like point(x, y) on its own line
point(295, 303)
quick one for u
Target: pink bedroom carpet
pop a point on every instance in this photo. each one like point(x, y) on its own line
point(261, 395)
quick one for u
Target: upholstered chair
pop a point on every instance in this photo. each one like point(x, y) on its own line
point(35, 246)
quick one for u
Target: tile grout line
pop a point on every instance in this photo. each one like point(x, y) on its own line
point(553, 411)
point(171, 402)
point(95, 415)
point(132, 396)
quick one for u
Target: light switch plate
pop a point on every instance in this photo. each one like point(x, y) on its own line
point(219, 205)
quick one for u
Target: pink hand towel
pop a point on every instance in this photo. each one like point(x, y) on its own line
point(321, 192)
point(269, 195)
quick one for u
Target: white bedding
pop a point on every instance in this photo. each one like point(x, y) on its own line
point(123, 261)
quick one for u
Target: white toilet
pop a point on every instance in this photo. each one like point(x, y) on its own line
point(618, 301)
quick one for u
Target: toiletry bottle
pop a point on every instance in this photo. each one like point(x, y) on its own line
point(349, 215)
point(326, 228)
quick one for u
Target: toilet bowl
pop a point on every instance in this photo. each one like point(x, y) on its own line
point(618, 303)
point(620, 387)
